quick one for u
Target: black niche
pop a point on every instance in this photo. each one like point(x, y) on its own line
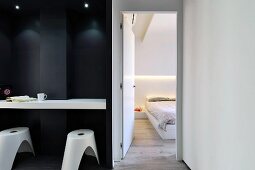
point(53, 53)
point(62, 49)
point(20, 52)
point(86, 55)
point(5, 49)
point(25, 61)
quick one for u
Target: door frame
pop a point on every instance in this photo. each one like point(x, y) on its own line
point(118, 114)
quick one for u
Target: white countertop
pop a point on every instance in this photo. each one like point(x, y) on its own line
point(56, 104)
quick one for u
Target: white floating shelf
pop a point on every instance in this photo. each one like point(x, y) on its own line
point(56, 104)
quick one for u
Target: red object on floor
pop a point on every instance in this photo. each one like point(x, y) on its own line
point(138, 109)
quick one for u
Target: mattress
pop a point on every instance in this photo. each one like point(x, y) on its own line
point(169, 133)
point(163, 111)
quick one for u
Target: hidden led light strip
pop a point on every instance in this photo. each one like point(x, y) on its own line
point(155, 77)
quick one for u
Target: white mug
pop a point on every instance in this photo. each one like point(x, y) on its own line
point(41, 96)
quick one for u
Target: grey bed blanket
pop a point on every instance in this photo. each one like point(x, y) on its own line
point(163, 111)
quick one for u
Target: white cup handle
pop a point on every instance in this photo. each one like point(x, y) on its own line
point(45, 96)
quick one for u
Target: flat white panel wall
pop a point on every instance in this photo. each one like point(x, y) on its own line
point(219, 81)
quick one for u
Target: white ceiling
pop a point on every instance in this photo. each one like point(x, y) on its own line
point(154, 22)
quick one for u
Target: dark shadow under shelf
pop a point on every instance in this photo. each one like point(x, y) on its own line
point(26, 161)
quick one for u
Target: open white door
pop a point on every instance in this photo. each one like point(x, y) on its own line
point(128, 82)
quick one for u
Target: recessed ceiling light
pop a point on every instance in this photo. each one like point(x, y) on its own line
point(17, 7)
point(86, 5)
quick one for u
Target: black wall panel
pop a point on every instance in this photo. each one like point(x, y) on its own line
point(108, 119)
point(53, 132)
point(5, 49)
point(53, 53)
point(87, 56)
point(26, 54)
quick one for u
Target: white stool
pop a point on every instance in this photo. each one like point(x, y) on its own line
point(77, 143)
point(12, 141)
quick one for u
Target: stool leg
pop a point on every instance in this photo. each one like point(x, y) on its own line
point(26, 147)
point(28, 139)
point(93, 146)
point(72, 156)
point(95, 149)
point(8, 151)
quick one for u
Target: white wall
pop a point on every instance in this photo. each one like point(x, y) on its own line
point(156, 54)
point(156, 57)
point(153, 86)
point(137, 5)
point(219, 81)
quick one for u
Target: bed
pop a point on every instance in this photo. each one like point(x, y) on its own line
point(162, 115)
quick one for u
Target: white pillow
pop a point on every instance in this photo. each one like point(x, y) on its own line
point(159, 98)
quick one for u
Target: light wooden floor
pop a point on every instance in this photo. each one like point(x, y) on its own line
point(149, 152)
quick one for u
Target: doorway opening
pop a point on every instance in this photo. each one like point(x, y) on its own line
point(149, 88)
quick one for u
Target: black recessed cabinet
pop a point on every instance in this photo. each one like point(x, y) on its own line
point(63, 49)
